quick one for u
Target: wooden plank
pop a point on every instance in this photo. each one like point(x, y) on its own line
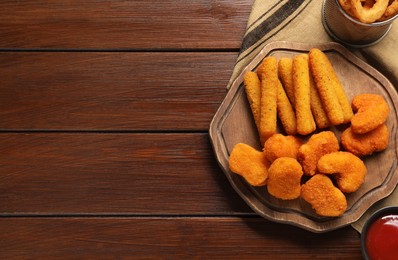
point(122, 24)
point(57, 173)
point(112, 90)
point(174, 238)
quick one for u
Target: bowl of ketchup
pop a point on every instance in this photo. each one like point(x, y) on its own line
point(379, 238)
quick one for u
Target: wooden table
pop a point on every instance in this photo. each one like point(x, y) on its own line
point(105, 108)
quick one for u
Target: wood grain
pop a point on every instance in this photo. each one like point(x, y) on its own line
point(57, 173)
point(112, 91)
point(177, 238)
point(104, 153)
point(122, 24)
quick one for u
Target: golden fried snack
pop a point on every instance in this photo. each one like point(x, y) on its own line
point(391, 10)
point(280, 145)
point(301, 82)
point(320, 69)
point(253, 93)
point(317, 145)
point(350, 171)
point(260, 70)
point(284, 176)
point(285, 111)
point(285, 73)
point(346, 5)
point(341, 95)
point(268, 102)
point(324, 197)
point(365, 144)
point(368, 14)
point(320, 116)
point(249, 163)
point(338, 88)
point(371, 112)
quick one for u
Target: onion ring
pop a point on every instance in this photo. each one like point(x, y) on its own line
point(391, 10)
point(345, 4)
point(366, 14)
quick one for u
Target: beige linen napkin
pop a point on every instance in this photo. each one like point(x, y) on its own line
point(300, 21)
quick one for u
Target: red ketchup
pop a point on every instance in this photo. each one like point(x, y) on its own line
point(382, 238)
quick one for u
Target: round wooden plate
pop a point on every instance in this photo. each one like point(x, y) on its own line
point(233, 123)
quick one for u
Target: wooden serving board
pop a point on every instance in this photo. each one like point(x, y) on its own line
point(233, 123)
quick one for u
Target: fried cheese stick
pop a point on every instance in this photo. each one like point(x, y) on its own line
point(268, 102)
point(301, 82)
point(260, 70)
point(253, 92)
point(340, 93)
point(285, 111)
point(320, 69)
point(285, 67)
point(320, 116)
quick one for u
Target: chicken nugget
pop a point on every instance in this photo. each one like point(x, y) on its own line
point(365, 144)
point(371, 111)
point(285, 73)
point(349, 170)
point(268, 102)
point(320, 69)
point(301, 81)
point(285, 111)
point(316, 146)
point(253, 93)
point(280, 145)
point(249, 163)
point(284, 176)
point(326, 199)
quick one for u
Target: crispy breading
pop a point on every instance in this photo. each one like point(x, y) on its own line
point(365, 144)
point(368, 14)
point(320, 116)
point(253, 92)
point(349, 170)
point(371, 111)
point(280, 145)
point(320, 69)
point(346, 5)
point(249, 163)
point(392, 10)
point(285, 111)
point(268, 102)
point(317, 145)
point(301, 82)
point(338, 87)
point(284, 176)
point(285, 73)
point(260, 69)
point(324, 197)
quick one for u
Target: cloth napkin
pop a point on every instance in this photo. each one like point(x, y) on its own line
point(300, 21)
